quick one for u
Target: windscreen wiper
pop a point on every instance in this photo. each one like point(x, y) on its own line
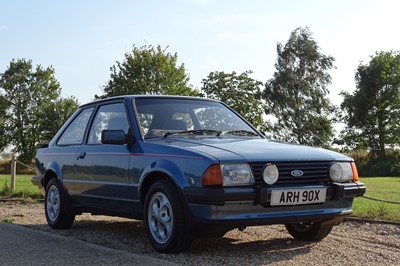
point(240, 133)
point(194, 132)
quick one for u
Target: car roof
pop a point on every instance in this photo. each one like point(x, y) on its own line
point(132, 97)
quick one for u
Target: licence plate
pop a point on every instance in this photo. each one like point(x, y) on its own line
point(281, 197)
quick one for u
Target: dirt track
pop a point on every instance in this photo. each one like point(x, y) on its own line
point(351, 243)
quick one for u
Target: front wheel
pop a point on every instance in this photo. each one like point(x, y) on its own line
point(310, 231)
point(55, 206)
point(165, 221)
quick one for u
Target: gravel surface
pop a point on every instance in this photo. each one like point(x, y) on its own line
point(351, 243)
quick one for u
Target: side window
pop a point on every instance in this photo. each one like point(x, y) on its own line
point(74, 133)
point(111, 116)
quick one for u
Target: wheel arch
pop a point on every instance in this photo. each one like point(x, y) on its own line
point(48, 176)
point(149, 180)
point(159, 171)
point(53, 170)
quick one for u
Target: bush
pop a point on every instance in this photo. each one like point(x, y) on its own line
point(5, 168)
point(388, 165)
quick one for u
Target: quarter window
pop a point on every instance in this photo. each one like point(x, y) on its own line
point(75, 132)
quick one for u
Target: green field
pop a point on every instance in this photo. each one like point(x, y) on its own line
point(385, 188)
point(23, 188)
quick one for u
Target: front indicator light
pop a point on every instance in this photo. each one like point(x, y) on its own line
point(212, 176)
point(355, 172)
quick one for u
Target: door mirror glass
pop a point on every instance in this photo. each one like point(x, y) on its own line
point(114, 137)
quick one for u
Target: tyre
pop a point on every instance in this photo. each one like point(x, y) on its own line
point(165, 221)
point(56, 206)
point(310, 231)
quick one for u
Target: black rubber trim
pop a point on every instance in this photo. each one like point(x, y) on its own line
point(349, 190)
point(215, 196)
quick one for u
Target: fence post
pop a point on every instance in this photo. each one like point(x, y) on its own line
point(13, 172)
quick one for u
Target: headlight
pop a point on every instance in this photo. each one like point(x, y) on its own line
point(236, 174)
point(341, 172)
point(270, 174)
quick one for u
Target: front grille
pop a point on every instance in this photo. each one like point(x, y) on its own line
point(313, 172)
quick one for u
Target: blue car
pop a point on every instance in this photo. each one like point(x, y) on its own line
point(189, 167)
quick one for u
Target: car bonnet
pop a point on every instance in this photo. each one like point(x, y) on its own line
point(248, 149)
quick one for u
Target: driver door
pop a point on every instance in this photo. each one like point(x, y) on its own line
point(103, 169)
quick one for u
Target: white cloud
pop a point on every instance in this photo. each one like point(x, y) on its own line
point(3, 28)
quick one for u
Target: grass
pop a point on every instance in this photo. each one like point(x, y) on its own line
point(7, 220)
point(23, 187)
point(385, 188)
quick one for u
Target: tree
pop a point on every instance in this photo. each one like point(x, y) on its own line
point(240, 92)
point(54, 114)
point(28, 93)
point(3, 109)
point(372, 112)
point(296, 95)
point(148, 70)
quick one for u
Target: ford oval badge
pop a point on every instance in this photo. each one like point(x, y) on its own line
point(297, 173)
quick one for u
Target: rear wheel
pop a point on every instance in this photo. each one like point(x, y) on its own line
point(310, 231)
point(165, 221)
point(56, 207)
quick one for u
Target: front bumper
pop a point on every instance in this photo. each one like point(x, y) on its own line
point(251, 205)
point(262, 195)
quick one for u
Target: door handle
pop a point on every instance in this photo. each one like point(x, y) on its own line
point(81, 155)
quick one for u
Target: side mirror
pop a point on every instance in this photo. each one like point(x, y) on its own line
point(114, 137)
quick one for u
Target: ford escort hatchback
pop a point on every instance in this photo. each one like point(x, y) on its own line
point(189, 167)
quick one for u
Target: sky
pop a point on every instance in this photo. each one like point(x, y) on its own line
point(82, 39)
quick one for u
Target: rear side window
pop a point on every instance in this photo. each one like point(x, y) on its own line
point(75, 132)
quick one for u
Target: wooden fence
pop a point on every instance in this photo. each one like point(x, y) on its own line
point(14, 163)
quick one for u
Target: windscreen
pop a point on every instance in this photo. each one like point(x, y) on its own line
point(169, 115)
